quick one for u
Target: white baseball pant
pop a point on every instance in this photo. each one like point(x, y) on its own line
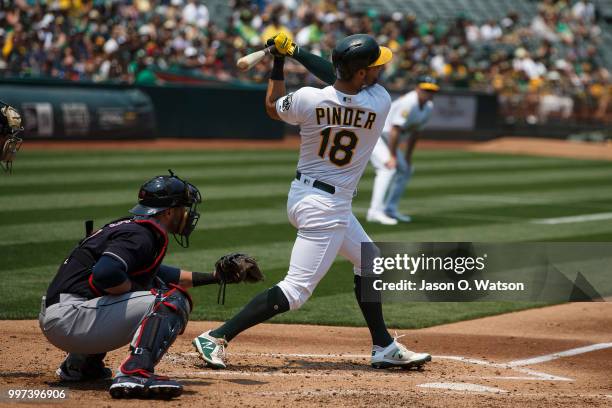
point(384, 175)
point(326, 226)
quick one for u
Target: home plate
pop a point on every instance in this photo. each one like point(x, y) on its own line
point(462, 387)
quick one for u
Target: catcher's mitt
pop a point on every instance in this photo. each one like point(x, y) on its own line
point(235, 268)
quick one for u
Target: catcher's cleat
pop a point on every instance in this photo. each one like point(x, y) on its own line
point(78, 367)
point(397, 355)
point(136, 386)
point(211, 349)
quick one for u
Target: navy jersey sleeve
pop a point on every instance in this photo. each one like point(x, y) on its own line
point(134, 247)
point(169, 274)
point(108, 272)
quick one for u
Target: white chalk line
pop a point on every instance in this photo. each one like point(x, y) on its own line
point(294, 355)
point(535, 375)
point(310, 374)
point(331, 393)
point(230, 373)
point(554, 356)
point(307, 375)
point(354, 392)
point(453, 386)
point(540, 375)
point(573, 219)
point(532, 374)
point(516, 365)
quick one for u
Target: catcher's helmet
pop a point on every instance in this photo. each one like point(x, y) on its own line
point(163, 192)
point(357, 52)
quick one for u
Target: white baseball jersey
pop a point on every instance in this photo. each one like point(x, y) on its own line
point(338, 130)
point(407, 114)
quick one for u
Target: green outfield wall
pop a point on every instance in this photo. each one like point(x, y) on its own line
point(54, 109)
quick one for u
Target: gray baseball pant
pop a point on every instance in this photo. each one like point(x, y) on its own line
point(78, 325)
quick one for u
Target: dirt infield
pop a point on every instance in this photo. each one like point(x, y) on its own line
point(510, 145)
point(545, 147)
point(505, 360)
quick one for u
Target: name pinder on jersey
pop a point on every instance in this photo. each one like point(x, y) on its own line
point(340, 116)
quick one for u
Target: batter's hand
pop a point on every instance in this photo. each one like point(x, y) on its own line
point(282, 43)
point(391, 163)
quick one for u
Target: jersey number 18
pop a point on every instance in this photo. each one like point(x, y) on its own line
point(341, 151)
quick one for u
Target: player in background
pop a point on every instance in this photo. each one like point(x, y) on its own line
point(407, 117)
point(339, 127)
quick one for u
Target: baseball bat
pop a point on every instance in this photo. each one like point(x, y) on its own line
point(88, 228)
point(249, 61)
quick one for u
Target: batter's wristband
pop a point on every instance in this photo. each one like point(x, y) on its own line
point(277, 73)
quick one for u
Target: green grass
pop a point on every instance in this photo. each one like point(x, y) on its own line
point(454, 196)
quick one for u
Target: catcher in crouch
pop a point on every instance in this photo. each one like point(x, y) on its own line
point(113, 290)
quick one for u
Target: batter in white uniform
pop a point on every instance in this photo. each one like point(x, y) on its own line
point(339, 127)
point(407, 117)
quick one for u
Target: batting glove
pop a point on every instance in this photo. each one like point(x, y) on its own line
point(282, 44)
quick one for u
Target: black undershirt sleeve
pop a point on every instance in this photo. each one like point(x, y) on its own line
point(201, 278)
point(169, 274)
point(172, 274)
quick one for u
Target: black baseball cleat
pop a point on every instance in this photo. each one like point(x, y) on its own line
point(81, 367)
point(135, 386)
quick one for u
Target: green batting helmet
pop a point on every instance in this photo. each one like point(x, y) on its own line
point(357, 52)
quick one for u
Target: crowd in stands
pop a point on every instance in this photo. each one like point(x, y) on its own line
point(544, 66)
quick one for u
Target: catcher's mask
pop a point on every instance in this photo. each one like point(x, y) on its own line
point(163, 192)
point(10, 126)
